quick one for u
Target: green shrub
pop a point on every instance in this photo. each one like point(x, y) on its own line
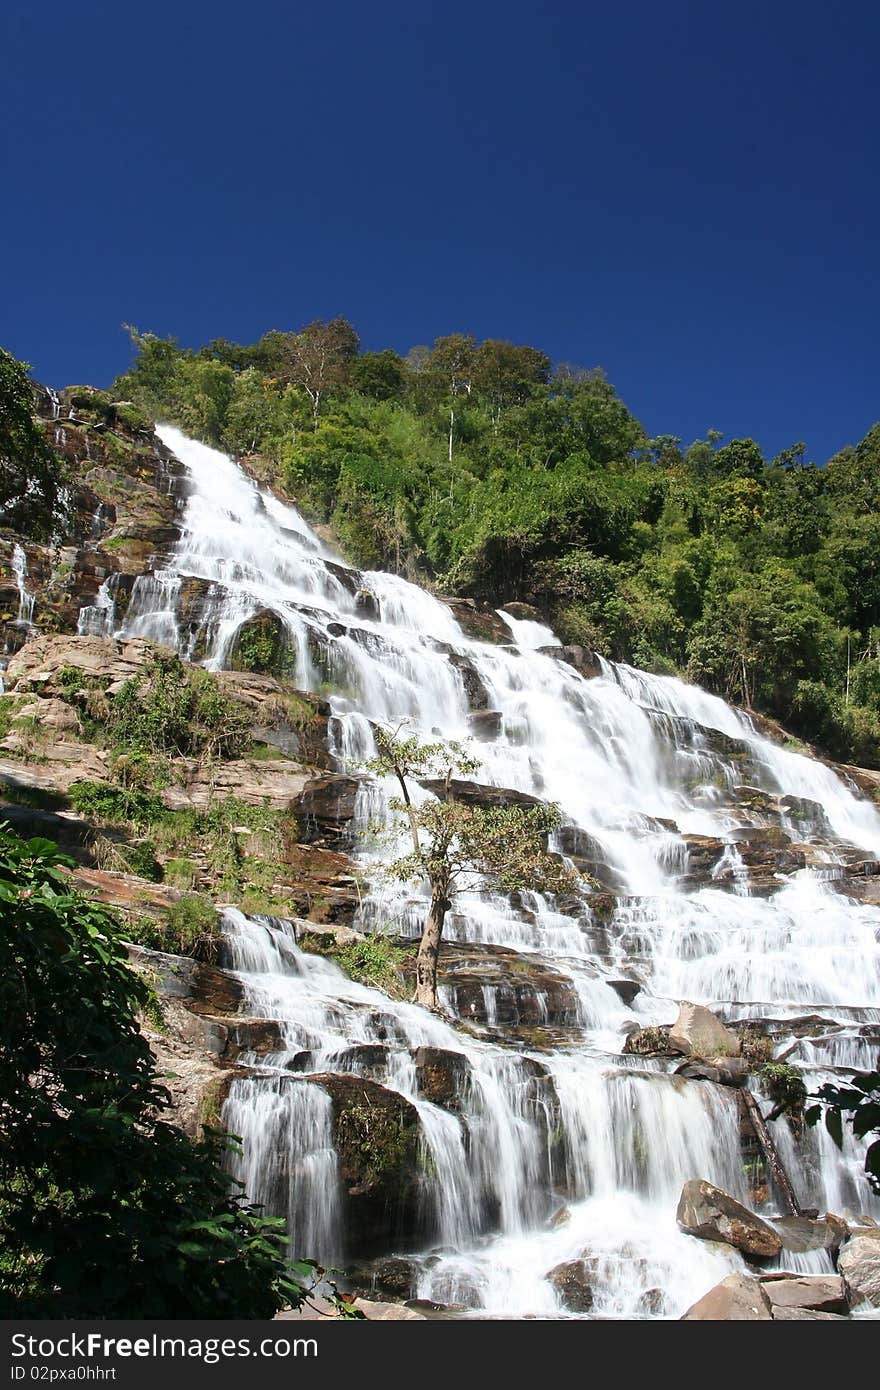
point(102, 802)
point(176, 710)
point(191, 927)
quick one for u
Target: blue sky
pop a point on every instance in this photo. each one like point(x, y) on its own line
point(686, 194)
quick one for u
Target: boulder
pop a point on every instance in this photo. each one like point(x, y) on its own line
point(698, 1033)
point(367, 605)
point(823, 1293)
point(801, 1234)
point(573, 1282)
point(711, 1214)
point(477, 694)
point(478, 794)
point(859, 1263)
point(731, 1071)
point(737, 1298)
point(626, 990)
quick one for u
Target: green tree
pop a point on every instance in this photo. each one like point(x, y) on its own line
point(31, 476)
point(106, 1208)
point(457, 846)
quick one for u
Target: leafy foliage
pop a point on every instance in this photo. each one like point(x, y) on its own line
point(457, 846)
point(482, 467)
point(175, 709)
point(106, 1209)
point(859, 1103)
point(31, 476)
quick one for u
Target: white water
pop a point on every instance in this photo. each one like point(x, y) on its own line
point(25, 597)
point(635, 762)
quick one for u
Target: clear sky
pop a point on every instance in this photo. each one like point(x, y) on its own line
point(685, 193)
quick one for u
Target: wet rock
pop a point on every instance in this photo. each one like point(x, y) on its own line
point(227, 1041)
point(651, 1303)
point(441, 1076)
point(485, 725)
point(823, 1293)
point(859, 1263)
point(732, 1072)
point(325, 809)
point(737, 1298)
point(711, 1214)
point(395, 1275)
point(698, 1033)
point(801, 1233)
point(478, 621)
point(474, 689)
point(367, 605)
point(584, 661)
point(626, 990)
point(477, 794)
point(378, 1144)
point(573, 1281)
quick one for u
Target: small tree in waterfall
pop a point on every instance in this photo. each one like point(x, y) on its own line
point(457, 845)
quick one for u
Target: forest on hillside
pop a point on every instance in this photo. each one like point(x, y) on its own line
point(483, 469)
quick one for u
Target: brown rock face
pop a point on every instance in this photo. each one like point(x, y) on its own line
point(707, 1212)
point(325, 809)
point(736, 1299)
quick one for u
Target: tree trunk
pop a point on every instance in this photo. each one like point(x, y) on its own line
point(429, 947)
point(771, 1154)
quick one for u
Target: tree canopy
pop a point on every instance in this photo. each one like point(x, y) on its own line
point(31, 475)
point(486, 470)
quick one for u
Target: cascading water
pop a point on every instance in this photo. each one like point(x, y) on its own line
point(26, 599)
point(649, 774)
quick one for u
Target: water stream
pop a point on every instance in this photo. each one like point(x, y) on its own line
point(649, 773)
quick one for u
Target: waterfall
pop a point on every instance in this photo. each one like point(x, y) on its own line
point(718, 857)
point(26, 599)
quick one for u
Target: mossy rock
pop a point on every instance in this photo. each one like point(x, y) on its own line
point(379, 1148)
point(262, 645)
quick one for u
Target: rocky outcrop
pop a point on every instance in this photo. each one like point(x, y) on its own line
point(262, 645)
point(698, 1033)
point(441, 1076)
point(478, 621)
point(584, 661)
point(325, 809)
point(478, 794)
point(859, 1263)
point(377, 1138)
point(711, 1214)
point(573, 1282)
point(736, 1299)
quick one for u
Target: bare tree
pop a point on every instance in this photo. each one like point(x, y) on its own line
point(319, 357)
